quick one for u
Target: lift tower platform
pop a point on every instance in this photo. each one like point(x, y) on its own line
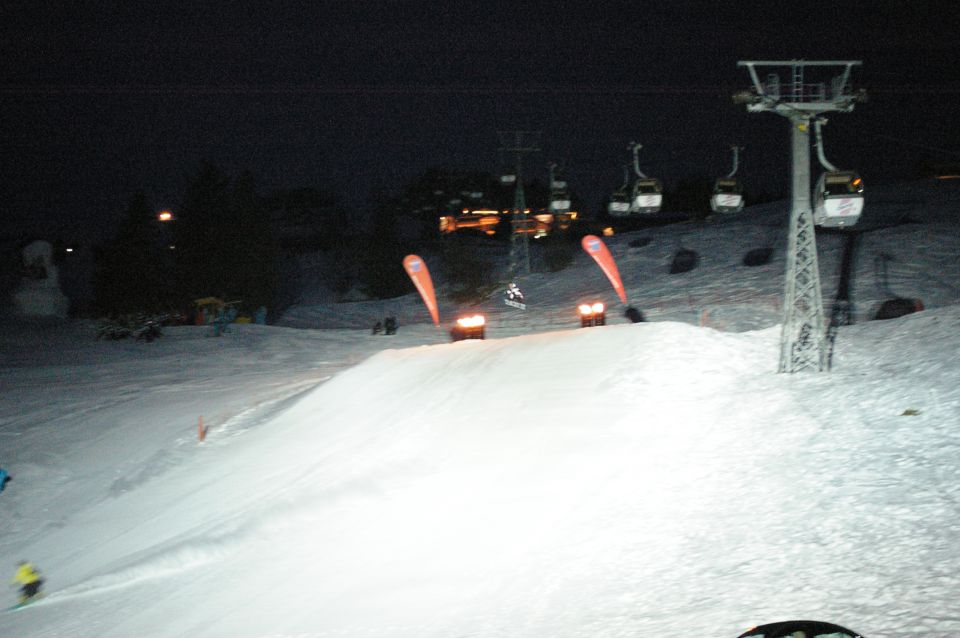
point(803, 337)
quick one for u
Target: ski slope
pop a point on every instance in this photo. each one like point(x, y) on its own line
point(630, 480)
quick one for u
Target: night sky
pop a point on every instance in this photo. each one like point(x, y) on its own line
point(100, 99)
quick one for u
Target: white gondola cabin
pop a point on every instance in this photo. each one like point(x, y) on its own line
point(619, 205)
point(647, 196)
point(727, 196)
point(839, 199)
point(559, 196)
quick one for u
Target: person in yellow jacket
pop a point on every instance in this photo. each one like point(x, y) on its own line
point(29, 580)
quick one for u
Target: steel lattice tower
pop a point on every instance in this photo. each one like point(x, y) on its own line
point(518, 143)
point(803, 337)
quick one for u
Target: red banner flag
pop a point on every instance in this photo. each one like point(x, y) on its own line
point(417, 269)
point(598, 250)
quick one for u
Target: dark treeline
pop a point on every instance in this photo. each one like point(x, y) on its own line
point(229, 241)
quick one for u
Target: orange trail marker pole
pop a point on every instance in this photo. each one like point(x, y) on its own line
point(201, 432)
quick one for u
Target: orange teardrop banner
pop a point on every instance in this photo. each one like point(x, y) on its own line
point(417, 269)
point(598, 250)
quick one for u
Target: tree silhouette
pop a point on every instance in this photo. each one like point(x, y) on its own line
point(381, 264)
point(225, 243)
point(134, 271)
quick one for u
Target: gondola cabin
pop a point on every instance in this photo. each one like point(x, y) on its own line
point(559, 197)
point(619, 205)
point(647, 196)
point(839, 199)
point(727, 196)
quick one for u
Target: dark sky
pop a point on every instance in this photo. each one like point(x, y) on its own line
point(99, 99)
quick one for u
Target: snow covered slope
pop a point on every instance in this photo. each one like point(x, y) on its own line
point(631, 480)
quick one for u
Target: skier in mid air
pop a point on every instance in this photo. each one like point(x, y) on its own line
point(29, 580)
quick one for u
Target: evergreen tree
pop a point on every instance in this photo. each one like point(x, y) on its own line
point(226, 246)
point(468, 273)
point(308, 219)
point(381, 265)
point(134, 271)
point(202, 224)
point(254, 256)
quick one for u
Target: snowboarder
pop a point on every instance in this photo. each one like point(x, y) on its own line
point(30, 581)
point(513, 297)
point(4, 477)
point(513, 292)
point(377, 328)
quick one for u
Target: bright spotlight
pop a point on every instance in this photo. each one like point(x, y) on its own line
point(472, 327)
point(592, 314)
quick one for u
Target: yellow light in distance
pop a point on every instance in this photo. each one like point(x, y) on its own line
point(471, 322)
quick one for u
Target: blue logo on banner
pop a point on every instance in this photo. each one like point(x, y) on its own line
point(594, 245)
point(415, 265)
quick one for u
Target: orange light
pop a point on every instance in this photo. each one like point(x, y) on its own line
point(472, 322)
point(597, 308)
point(857, 181)
point(585, 309)
point(165, 216)
point(608, 232)
point(448, 224)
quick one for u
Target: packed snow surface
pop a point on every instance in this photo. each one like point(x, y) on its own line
point(647, 479)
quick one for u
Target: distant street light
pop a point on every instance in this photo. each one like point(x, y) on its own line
point(165, 216)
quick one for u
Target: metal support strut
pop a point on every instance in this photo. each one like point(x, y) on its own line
point(803, 334)
point(518, 143)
